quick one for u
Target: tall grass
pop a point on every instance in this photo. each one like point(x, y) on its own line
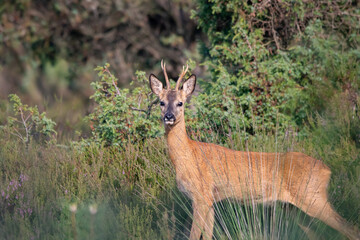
point(49, 179)
point(135, 195)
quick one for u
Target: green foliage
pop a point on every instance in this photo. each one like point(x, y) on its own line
point(277, 22)
point(249, 85)
point(28, 124)
point(121, 115)
point(328, 66)
point(270, 76)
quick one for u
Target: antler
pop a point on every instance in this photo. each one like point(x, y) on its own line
point(163, 66)
point(181, 77)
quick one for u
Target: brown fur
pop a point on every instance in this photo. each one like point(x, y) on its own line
point(208, 173)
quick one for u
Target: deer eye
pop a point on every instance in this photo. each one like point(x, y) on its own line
point(162, 103)
point(179, 104)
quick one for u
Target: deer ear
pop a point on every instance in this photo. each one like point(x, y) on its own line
point(155, 85)
point(189, 85)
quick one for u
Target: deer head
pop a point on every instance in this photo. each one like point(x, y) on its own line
point(172, 101)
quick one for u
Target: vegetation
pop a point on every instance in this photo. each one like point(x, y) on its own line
point(270, 60)
point(134, 193)
point(282, 76)
point(50, 48)
point(28, 123)
point(120, 116)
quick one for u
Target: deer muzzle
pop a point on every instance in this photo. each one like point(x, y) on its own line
point(169, 118)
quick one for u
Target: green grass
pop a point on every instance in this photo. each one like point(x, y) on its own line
point(57, 177)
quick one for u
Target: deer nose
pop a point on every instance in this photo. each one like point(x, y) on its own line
point(169, 117)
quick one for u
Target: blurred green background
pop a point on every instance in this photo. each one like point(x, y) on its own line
point(49, 49)
point(282, 56)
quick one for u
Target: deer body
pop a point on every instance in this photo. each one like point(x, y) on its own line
point(209, 173)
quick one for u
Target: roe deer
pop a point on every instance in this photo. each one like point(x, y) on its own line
point(208, 173)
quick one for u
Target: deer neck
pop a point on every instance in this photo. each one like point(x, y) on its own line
point(177, 140)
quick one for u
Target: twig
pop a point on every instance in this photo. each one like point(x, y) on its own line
point(148, 111)
point(139, 110)
point(28, 117)
point(274, 32)
point(112, 79)
point(150, 106)
point(247, 41)
point(17, 134)
point(26, 127)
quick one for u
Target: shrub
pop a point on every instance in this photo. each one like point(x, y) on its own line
point(270, 61)
point(121, 115)
point(328, 66)
point(250, 85)
point(28, 124)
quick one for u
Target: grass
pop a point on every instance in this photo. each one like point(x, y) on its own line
point(133, 193)
point(57, 177)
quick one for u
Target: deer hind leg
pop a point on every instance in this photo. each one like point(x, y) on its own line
point(203, 220)
point(317, 206)
point(311, 235)
point(323, 211)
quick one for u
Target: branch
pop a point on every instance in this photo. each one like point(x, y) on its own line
point(112, 79)
point(274, 32)
point(148, 111)
point(139, 110)
point(27, 118)
point(150, 106)
point(247, 41)
point(17, 134)
point(26, 127)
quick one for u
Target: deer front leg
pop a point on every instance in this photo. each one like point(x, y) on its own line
point(209, 223)
point(203, 220)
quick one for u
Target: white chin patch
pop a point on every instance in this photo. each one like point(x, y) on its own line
point(169, 122)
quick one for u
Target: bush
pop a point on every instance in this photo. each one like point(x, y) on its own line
point(270, 61)
point(328, 66)
point(250, 85)
point(121, 115)
point(28, 124)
